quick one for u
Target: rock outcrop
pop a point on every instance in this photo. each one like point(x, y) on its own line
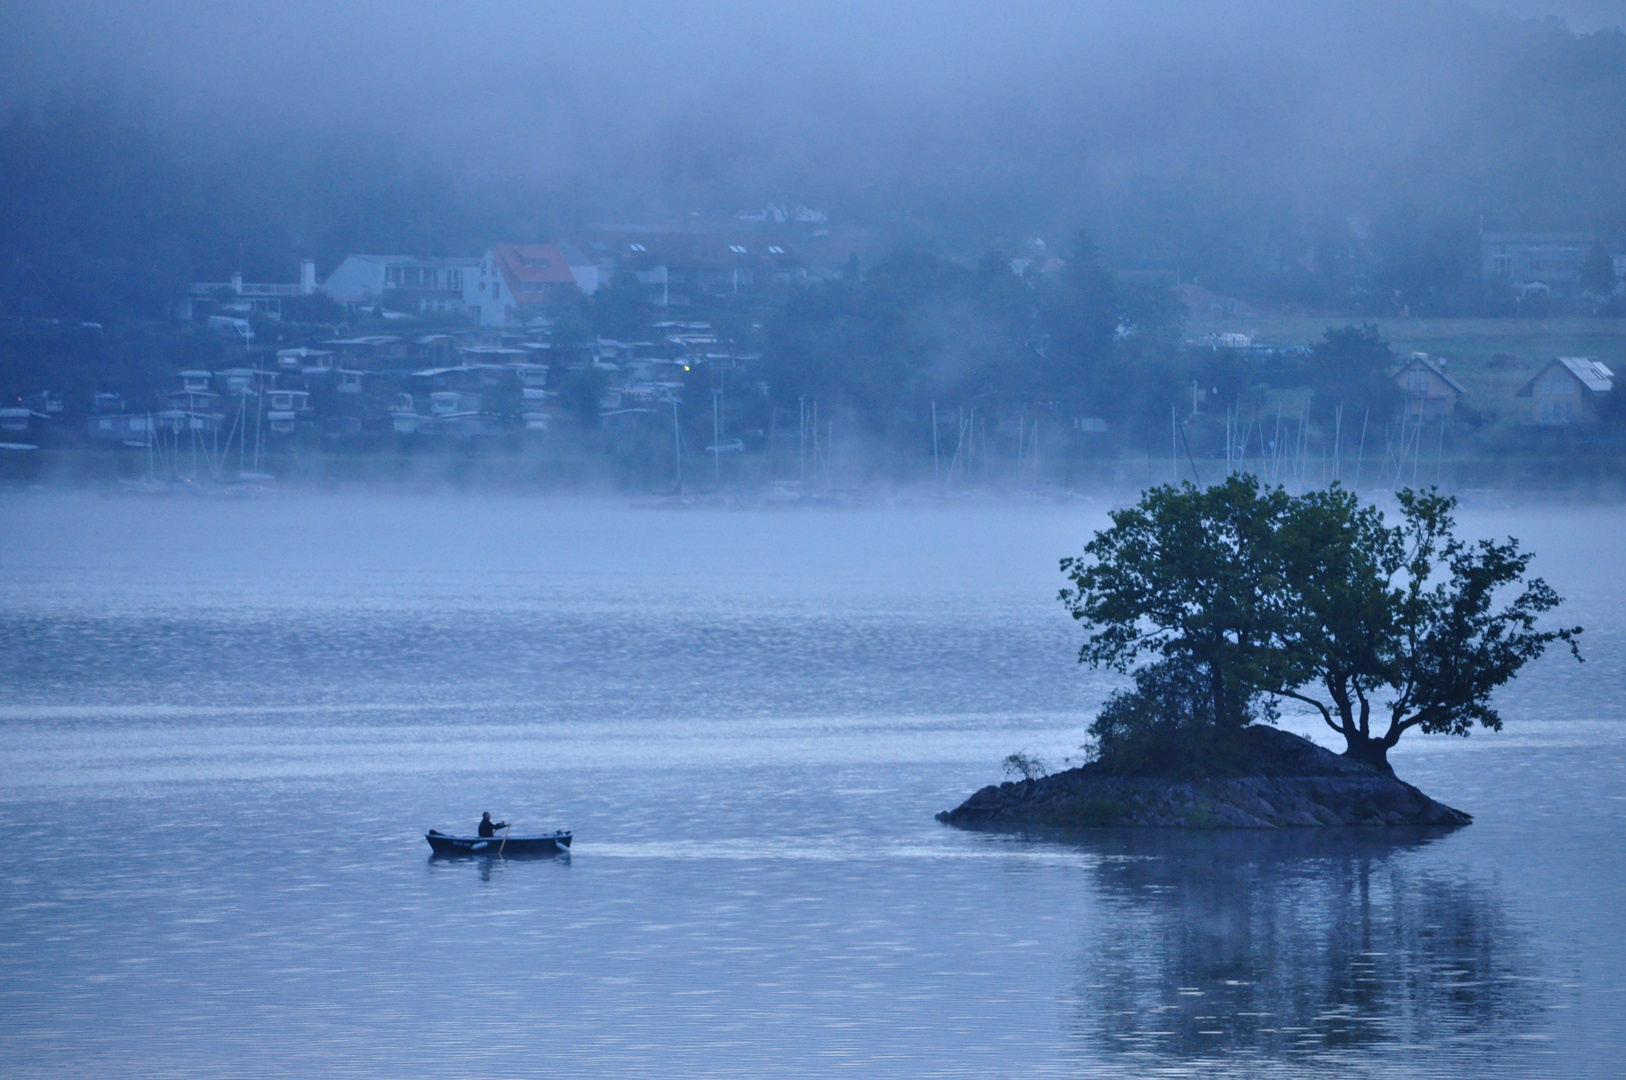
point(1289, 782)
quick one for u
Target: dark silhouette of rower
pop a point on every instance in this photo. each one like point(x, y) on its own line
point(489, 827)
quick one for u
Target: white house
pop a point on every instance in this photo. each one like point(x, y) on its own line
point(1550, 259)
point(402, 282)
point(247, 297)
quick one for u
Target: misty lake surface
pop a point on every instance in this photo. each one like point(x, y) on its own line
point(224, 729)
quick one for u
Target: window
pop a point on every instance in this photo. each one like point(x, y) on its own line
point(736, 249)
point(776, 250)
point(637, 247)
point(454, 280)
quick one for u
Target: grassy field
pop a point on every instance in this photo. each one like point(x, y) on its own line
point(1468, 346)
point(1458, 339)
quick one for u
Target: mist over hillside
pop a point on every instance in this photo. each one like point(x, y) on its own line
point(1032, 243)
point(1255, 149)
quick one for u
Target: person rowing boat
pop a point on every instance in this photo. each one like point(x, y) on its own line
point(489, 843)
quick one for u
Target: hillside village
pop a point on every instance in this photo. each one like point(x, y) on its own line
point(506, 349)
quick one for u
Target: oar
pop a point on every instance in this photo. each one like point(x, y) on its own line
point(504, 843)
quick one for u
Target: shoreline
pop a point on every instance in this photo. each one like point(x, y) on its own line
point(1293, 783)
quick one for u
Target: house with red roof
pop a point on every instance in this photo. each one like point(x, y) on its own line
point(516, 283)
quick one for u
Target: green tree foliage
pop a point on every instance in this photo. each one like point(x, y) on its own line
point(117, 213)
point(136, 361)
point(97, 205)
point(506, 397)
point(581, 391)
point(1352, 367)
point(573, 331)
point(1410, 612)
point(1192, 576)
point(1242, 591)
point(316, 309)
point(1421, 263)
point(1025, 765)
point(1164, 726)
point(621, 309)
point(1598, 270)
point(918, 329)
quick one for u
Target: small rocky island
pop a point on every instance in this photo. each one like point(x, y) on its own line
point(1283, 781)
point(1221, 603)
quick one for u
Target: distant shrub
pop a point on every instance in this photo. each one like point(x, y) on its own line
point(1025, 765)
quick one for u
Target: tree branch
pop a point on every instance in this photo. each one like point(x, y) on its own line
point(1326, 714)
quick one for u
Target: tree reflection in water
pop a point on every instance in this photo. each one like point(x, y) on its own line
point(1293, 951)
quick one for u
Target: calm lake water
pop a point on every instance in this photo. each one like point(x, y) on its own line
point(225, 728)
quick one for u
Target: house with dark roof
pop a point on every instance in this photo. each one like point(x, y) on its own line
point(1429, 391)
point(1568, 391)
point(682, 268)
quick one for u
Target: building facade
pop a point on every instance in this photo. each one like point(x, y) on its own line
point(516, 283)
point(1568, 391)
point(680, 268)
point(402, 282)
point(1523, 259)
point(1428, 390)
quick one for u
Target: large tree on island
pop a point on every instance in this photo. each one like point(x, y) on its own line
point(1407, 614)
point(1191, 575)
point(1313, 599)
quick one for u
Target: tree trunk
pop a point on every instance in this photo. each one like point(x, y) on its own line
point(1373, 753)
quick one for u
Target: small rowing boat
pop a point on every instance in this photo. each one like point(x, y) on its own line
point(546, 844)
